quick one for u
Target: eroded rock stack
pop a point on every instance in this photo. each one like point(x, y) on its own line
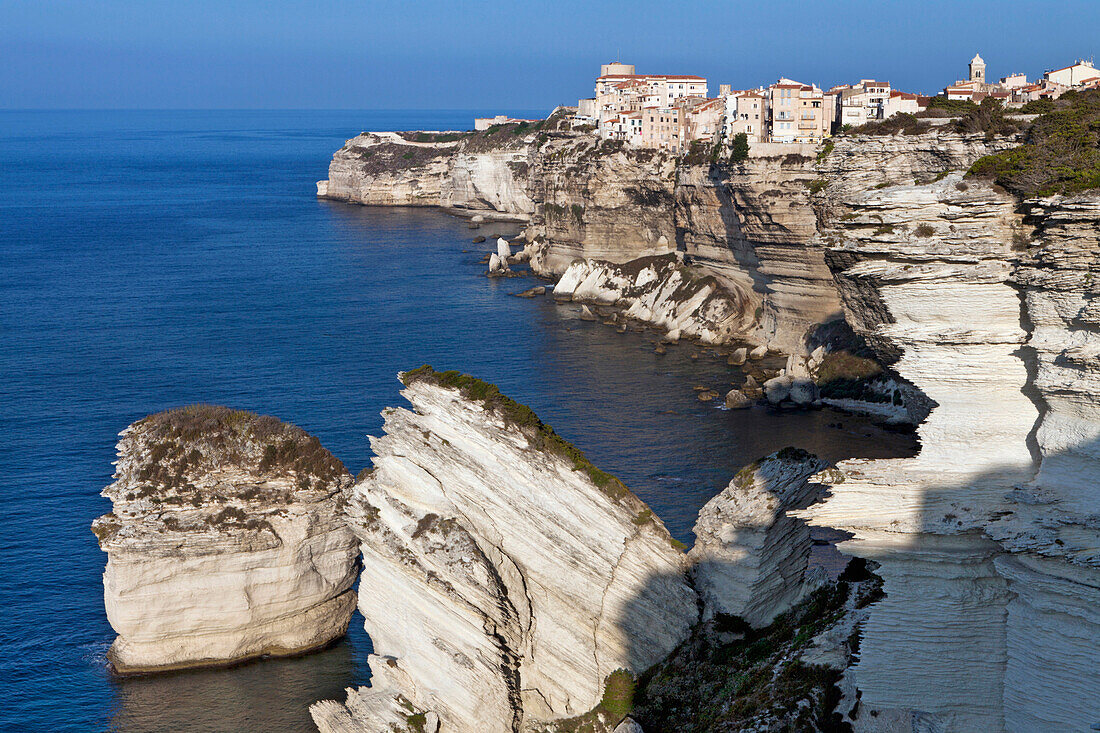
point(225, 541)
point(750, 557)
point(505, 577)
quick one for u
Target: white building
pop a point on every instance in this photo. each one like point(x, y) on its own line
point(1073, 76)
point(1013, 81)
point(619, 89)
point(901, 102)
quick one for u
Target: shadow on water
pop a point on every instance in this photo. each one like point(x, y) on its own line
point(270, 694)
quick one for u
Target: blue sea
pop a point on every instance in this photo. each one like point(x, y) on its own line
point(154, 259)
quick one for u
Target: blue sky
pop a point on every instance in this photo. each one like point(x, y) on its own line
point(435, 54)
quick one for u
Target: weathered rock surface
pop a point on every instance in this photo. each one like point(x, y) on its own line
point(750, 557)
point(987, 539)
point(504, 576)
point(661, 292)
point(225, 541)
point(385, 169)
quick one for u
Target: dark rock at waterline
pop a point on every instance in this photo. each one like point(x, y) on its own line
point(479, 239)
point(532, 292)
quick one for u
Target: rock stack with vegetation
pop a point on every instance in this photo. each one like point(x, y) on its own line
point(225, 541)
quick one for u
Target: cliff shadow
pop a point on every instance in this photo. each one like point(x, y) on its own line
point(982, 622)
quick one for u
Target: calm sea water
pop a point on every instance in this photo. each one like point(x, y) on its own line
point(154, 259)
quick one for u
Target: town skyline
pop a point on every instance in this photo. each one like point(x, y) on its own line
point(340, 55)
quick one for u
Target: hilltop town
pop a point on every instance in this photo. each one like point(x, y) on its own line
point(670, 111)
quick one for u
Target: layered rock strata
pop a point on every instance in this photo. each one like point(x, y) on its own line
point(987, 538)
point(661, 292)
point(505, 578)
point(750, 225)
point(225, 542)
point(386, 169)
point(750, 557)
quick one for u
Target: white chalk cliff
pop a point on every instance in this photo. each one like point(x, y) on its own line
point(661, 292)
point(504, 576)
point(750, 557)
point(225, 542)
point(988, 538)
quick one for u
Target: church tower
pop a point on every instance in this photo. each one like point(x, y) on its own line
point(977, 69)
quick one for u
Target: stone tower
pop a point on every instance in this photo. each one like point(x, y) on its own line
point(977, 69)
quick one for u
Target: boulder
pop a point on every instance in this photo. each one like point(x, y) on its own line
point(587, 314)
point(629, 725)
point(532, 292)
point(504, 251)
point(759, 352)
point(497, 266)
point(738, 357)
point(803, 391)
point(737, 400)
point(778, 389)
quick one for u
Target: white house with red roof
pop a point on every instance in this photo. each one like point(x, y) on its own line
point(1078, 74)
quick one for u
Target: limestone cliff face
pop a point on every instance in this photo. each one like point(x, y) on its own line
point(750, 557)
point(987, 538)
point(752, 225)
point(601, 200)
point(662, 292)
point(224, 543)
point(385, 169)
point(504, 577)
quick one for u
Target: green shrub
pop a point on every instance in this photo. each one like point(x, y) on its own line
point(739, 148)
point(989, 118)
point(1038, 107)
point(924, 230)
point(825, 150)
point(817, 185)
point(618, 694)
point(944, 107)
point(903, 123)
point(697, 153)
point(1060, 154)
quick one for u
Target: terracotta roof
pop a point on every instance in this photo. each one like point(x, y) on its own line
point(1076, 63)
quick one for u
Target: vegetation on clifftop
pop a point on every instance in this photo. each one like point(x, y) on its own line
point(1060, 153)
point(187, 441)
point(541, 435)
